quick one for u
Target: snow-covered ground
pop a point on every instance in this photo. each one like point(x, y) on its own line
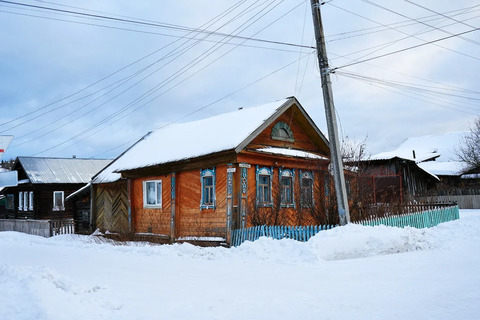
point(350, 272)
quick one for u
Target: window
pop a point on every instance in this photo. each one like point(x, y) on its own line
point(264, 186)
point(30, 201)
point(286, 185)
point(306, 189)
point(58, 204)
point(281, 131)
point(25, 201)
point(20, 201)
point(207, 178)
point(10, 202)
point(152, 194)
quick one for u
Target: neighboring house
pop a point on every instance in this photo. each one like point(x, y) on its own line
point(43, 185)
point(199, 180)
point(436, 155)
point(393, 179)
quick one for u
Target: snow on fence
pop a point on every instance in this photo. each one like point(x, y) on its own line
point(43, 228)
point(422, 219)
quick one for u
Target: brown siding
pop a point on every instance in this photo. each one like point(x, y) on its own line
point(151, 220)
point(191, 221)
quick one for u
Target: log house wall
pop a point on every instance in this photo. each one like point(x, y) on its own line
point(191, 221)
point(151, 220)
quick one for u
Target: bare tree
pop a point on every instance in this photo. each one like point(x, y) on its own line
point(469, 149)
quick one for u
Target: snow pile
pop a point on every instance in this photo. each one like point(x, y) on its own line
point(37, 292)
point(344, 273)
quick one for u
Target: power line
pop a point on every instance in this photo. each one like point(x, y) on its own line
point(426, 24)
point(131, 76)
point(405, 49)
point(395, 41)
point(215, 101)
point(393, 26)
point(428, 92)
point(162, 84)
point(152, 99)
point(440, 14)
point(154, 24)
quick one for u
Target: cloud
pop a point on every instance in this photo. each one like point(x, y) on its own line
point(46, 58)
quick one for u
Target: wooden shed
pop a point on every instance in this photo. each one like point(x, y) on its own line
point(198, 181)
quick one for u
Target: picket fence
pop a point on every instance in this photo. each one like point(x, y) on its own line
point(423, 219)
point(419, 220)
point(299, 233)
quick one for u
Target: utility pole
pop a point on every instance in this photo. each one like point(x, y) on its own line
point(336, 157)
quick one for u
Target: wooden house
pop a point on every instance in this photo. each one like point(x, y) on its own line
point(199, 180)
point(45, 183)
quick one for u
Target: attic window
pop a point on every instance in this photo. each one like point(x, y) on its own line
point(281, 131)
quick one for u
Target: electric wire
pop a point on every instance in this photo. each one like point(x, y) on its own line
point(421, 22)
point(429, 93)
point(406, 49)
point(216, 101)
point(300, 51)
point(152, 24)
point(145, 68)
point(394, 41)
point(149, 93)
point(396, 25)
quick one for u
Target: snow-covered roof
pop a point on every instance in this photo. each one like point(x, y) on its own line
point(438, 147)
point(290, 152)
point(79, 191)
point(61, 170)
point(450, 168)
point(228, 131)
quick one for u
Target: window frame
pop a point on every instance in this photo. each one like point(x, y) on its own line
point(157, 204)
point(290, 175)
point(10, 204)
point(56, 207)
point(262, 172)
point(307, 175)
point(25, 201)
point(30, 201)
point(20, 201)
point(208, 189)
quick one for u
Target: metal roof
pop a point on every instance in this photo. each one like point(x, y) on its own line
point(61, 170)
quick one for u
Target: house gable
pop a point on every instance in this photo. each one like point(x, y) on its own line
point(291, 129)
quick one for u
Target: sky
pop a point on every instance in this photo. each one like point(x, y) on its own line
point(91, 78)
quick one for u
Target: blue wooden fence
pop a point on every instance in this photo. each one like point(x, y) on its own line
point(423, 219)
point(299, 233)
